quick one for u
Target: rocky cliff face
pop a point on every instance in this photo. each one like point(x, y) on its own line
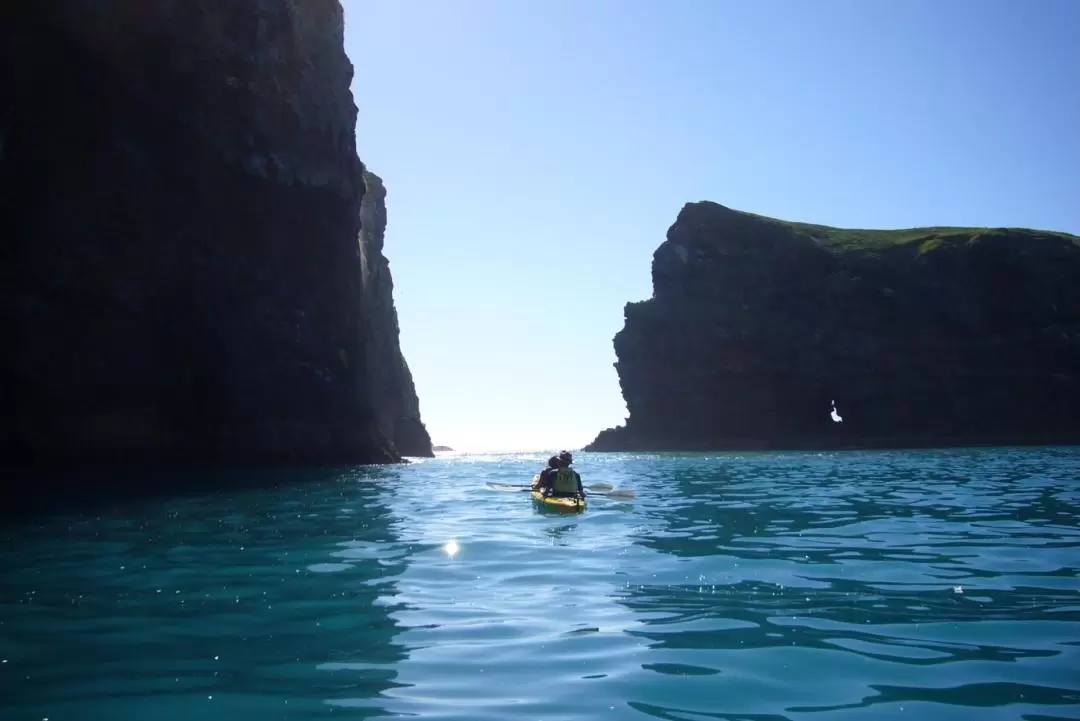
point(922, 337)
point(389, 378)
point(181, 207)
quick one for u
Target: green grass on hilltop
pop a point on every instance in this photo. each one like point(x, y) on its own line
point(923, 240)
point(877, 240)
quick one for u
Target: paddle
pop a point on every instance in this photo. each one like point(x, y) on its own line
point(616, 493)
point(598, 489)
point(509, 487)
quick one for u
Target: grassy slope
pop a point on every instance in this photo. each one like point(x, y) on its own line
point(924, 239)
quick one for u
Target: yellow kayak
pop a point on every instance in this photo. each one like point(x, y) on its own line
point(562, 503)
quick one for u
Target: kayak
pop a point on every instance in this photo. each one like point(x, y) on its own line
point(562, 503)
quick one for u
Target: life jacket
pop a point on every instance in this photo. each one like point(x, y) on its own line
point(566, 481)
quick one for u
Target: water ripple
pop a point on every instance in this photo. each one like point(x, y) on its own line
point(748, 587)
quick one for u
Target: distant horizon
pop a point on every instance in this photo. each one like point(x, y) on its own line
point(534, 156)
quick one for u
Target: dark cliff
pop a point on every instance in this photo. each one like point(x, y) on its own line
point(391, 382)
point(184, 279)
point(932, 336)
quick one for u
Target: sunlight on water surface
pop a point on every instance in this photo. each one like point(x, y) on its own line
point(917, 585)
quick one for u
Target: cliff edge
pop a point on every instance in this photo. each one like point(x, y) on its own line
point(389, 378)
point(922, 337)
point(185, 279)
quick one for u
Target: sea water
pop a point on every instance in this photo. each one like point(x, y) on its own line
point(854, 585)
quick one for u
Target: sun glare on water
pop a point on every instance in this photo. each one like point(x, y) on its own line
point(451, 548)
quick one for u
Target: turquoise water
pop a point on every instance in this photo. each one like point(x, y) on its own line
point(901, 585)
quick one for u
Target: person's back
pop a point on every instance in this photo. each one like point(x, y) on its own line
point(543, 483)
point(566, 481)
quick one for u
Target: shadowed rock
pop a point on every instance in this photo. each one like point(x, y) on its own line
point(922, 337)
point(391, 382)
point(180, 203)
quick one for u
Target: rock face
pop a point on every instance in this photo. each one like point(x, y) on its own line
point(389, 378)
point(181, 208)
point(932, 336)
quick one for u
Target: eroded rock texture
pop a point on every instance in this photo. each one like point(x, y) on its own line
point(923, 337)
point(391, 382)
point(180, 208)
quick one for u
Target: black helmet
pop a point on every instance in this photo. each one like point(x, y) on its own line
point(553, 462)
point(565, 458)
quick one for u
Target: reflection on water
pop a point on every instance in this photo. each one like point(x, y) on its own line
point(210, 608)
point(930, 585)
point(922, 582)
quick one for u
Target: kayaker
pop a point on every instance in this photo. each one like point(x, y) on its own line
point(546, 475)
point(565, 481)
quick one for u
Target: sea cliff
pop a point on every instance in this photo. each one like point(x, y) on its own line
point(186, 278)
point(397, 407)
point(921, 337)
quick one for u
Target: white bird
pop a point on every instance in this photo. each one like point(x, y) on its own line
point(835, 416)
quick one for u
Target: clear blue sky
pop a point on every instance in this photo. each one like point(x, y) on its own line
point(536, 151)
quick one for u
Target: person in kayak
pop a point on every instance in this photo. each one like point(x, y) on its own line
point(543, 480)
point(565, 481)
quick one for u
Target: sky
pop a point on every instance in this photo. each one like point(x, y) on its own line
point(535, 153)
